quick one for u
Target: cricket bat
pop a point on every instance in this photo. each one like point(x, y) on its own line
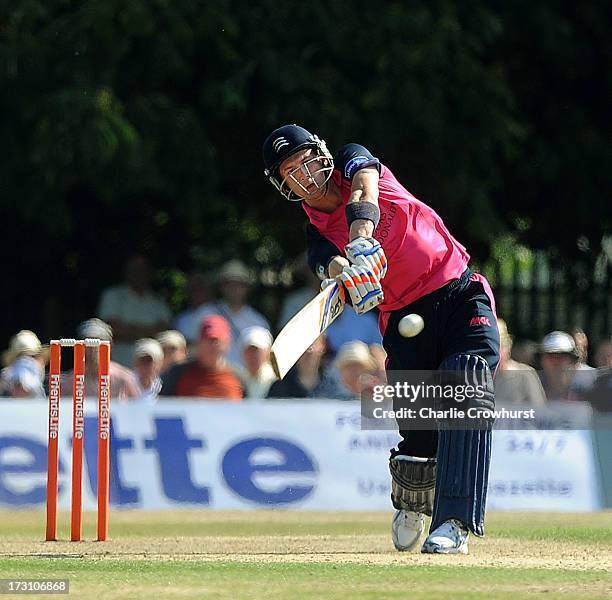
point(305, 327)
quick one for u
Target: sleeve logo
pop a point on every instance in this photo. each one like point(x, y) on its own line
point(353, 164)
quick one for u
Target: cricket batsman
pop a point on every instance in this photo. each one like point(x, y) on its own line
point(393, 252)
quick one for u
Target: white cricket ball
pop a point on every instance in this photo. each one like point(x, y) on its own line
point(411, 325)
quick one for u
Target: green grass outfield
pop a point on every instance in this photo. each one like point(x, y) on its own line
point(318, 555)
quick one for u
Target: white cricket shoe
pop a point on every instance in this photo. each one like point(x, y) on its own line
point(406, 529)
point(450, 538)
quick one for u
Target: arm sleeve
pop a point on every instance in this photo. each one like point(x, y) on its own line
point(353, 157)
point(320, 251)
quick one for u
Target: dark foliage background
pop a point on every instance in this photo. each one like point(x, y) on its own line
point(138, 126)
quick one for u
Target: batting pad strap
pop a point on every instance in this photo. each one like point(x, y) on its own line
point(362, 210)
point(413, 483)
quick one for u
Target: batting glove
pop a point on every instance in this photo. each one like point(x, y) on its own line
point(363, 288)
point(367, 252)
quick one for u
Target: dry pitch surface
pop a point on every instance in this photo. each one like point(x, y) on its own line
point(266, 554)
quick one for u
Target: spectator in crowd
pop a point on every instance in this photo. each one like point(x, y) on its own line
point(256, 373)
point(600, 395)
point(358, 368)
point(309, 287)
point(526, 352)
point(561, 377)
point(582, 347)
point(174, 345)
point(235, 283)
point(199, 293)
point(24, 366)
point(515, 382)
point(309, 378)
point(124, 384)
point(133, 309)
point(208, 374)
point(148, 361)
point(23, 378)
point(25, 343)
point(603, 354)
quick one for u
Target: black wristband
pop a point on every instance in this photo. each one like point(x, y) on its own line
point(362, 210)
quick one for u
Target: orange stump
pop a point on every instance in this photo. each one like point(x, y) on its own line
point(53, 451)
point(78, 432)
point(78, 436)
point(104, 399)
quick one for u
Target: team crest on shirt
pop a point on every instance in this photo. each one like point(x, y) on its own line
point(353, 164)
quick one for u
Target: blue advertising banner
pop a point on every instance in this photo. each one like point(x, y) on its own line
point(300, 454)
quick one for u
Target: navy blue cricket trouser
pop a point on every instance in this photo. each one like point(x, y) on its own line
point(459, 319)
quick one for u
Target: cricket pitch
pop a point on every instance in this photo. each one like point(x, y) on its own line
point(282, 554)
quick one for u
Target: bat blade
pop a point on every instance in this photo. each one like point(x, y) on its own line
point(305, 327)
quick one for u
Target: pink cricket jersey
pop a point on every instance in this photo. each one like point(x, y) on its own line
point(422, 255)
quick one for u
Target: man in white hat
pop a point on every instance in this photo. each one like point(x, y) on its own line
point(561, 377)
point(148, 361)
point(235, 282)
point(256, 373)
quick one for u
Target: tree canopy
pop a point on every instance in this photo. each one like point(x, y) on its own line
point(138, 126)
